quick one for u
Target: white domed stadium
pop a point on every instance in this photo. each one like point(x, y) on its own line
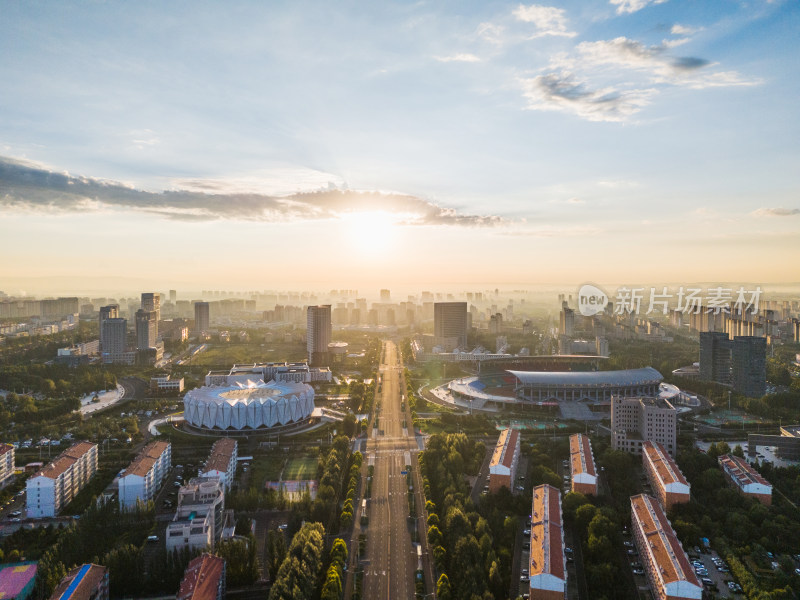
point(254, 405)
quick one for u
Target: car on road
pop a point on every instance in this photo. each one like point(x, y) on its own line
point(15, 513)
point(628, 544)
point(638, 571)
point(152, 538)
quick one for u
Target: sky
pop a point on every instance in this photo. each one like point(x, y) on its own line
point(254, 145)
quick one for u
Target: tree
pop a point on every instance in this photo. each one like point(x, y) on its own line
point(276, 552)
point(443, 588)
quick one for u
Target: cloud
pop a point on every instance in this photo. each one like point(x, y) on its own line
point(491, 32)
point(463, 57)
point(562, 92)
point(26, 186)
point(776, 212)
point(656, 63)
point(632, 6)
point(678, 29)
point(548, 20)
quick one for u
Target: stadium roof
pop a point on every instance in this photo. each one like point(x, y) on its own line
point(628, 377)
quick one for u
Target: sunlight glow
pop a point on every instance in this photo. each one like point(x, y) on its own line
point(370, 232)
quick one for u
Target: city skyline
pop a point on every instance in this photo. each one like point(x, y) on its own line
point(497, 142)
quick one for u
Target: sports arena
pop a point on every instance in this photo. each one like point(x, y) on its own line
point(250, 406)
point(579, 394)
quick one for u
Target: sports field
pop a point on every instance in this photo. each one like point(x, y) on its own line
point(728, 417)
point(300, 468)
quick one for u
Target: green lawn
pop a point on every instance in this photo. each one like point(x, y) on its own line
point(301, 468)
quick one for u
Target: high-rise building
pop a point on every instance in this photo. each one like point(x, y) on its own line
point(107, 312)
point(173, 296)
point(741, 362)
point(450, 325)
point(386, 296)
point(635, 421)
point(113, 336)
point(201, 317)
point(715, 357)
point(566, 322)
point(146, 329)
point(318, 334)
point(151, 301)
point(749, 366)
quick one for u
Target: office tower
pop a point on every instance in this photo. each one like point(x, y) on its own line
point(741, 362)
point(386, 296)
point(749, 366)
point(201, 317)
point(567, 322)
point(113, 335)
point(107, 312)
point(635, 421)
point(318, 334)
point(146, 329)
point(151, 301)
point(715, 357)
point(173, 296)
point(450, 325)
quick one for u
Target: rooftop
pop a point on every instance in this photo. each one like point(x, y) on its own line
point(202, 578)
point(580, 450)
point(145, 460)
point(5, 448)
point(221, 453)
point(665, 466)
point(507, 441)
point(791, 431)
point(741, 471)
point(80, 583)
point(547, 537)
point(65, 460)
point(627, 377)
point(661, 542)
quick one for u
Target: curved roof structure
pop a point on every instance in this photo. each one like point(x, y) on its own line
point(627, 377)
point(248, 406)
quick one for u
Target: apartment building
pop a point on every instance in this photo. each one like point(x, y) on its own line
point(221, 462)
point(668, 483)
point(745, 478)
point(503, 466)
point(52, 488)
point(204, 579)
point(547, 562)
point(144, 476)
point(582, 467)
point(665, 564)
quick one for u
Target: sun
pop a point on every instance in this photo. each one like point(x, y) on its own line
point(370, 232)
